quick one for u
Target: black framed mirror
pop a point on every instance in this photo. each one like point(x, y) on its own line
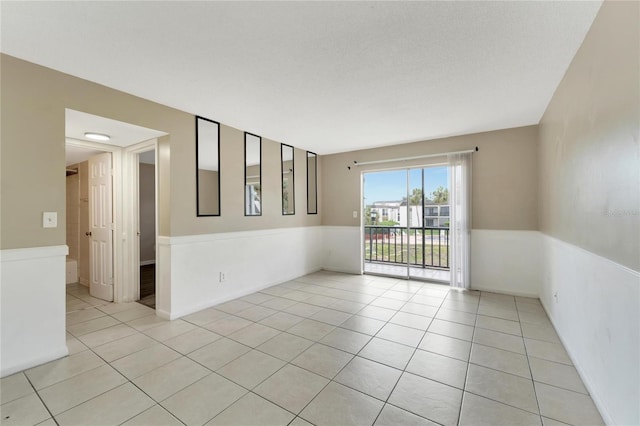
point(207, 167)
point(312, 183)
point(252, 175)
point(288, 182)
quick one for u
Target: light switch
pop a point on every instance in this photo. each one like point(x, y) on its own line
point(50, 219)
point(355, 214)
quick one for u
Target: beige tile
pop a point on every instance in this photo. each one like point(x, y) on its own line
point(135, 313)
point(331, 316)
point(339, 405)
point(90, 326)
point(281, 321)
point(62, 369)
point(122, 347)
point(256, 298)
point(310, 329)
point(370, 377)
point(216, 354)
point(74, 345)
point(506, 388)
point(147, 322)
point(456, 316)
point(540, 332)
point(14, 387)
point(278, 303)
point(451, 329)
point(323, 360)
point(348, 306)
point(346, 340)
point(112, 308)
point(411, 320)
point(164, 381)
point(556, 374)
point(394, 416)
point(192, 340)
point(445, 345)
point(495, 339)
point(419, 309)
point(320, 300)
point(48, 422)
point(27, 410)
point(376, 312)
point(256, 313)
point(498, 312)
point(169, 330)
point(285, 346)
point(303, 309)
point(83, 315)
point(550, 422)
point(251, 368)
point(566, 406)
point(498, 324)
point(479, 411)
point(461, 305)
point(106, 335)
point(297, 295)
point(387, 352)
point(432, 400)
point(233, 306)
point(252, 410)
point(427, 300)
point(291, 387)
point(203, 400)
point(205, 316)
point(385, 302)
point(363, 324)
point(78, 389)
point(534, 318)
point(437, 367)
point(400, 334)
point(498, 359)
point(546, 350)
point(254, 335)
point(141, 362)
point(154, 416)
point(534, 308)
point(227, 325)
point(112, 407)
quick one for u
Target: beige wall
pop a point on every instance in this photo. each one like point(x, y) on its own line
point(147, 208)
point(35, 98)
point(504, 177)
point(590, 146)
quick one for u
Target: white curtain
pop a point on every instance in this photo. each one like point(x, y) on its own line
point(460, 219)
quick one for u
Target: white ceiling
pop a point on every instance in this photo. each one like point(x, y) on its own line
point(324, 76)
point(121, 134)
point(77, 154)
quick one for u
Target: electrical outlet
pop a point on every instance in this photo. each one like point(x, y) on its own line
point(355, 214)
point(223, 277)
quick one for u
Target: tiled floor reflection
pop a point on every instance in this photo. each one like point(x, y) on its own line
point(324, 349)
point(441, 275)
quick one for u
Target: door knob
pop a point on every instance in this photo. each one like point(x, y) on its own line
point(88, 234)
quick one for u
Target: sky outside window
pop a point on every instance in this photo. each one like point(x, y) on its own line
point(392, 185)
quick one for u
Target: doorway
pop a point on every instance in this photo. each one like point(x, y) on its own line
point(147, 227)
point(406, 223)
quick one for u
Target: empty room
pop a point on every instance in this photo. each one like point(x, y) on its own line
point(320, 213)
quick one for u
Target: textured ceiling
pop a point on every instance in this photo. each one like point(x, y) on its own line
point(325, 76)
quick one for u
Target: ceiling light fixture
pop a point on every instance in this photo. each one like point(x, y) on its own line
point(97, 136)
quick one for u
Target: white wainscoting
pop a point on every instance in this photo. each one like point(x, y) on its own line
point(506, 261)
point(597, 316)
point(343, 249)
point(33, 307)
point(190, 266)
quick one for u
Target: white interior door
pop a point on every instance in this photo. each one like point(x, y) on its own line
point(101, 227)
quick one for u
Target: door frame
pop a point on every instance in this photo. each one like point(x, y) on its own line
point(131, 258)
point(116, 194)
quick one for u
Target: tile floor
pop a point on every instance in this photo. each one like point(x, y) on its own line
point(324, 349)
point(441, 275)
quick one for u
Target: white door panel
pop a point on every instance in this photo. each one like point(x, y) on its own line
point(101, 226)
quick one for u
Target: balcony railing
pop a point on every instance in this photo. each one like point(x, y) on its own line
point(426, 247)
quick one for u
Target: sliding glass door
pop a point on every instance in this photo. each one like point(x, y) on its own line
point(406, 223)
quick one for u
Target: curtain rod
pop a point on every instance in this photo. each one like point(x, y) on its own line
point(364, 163)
